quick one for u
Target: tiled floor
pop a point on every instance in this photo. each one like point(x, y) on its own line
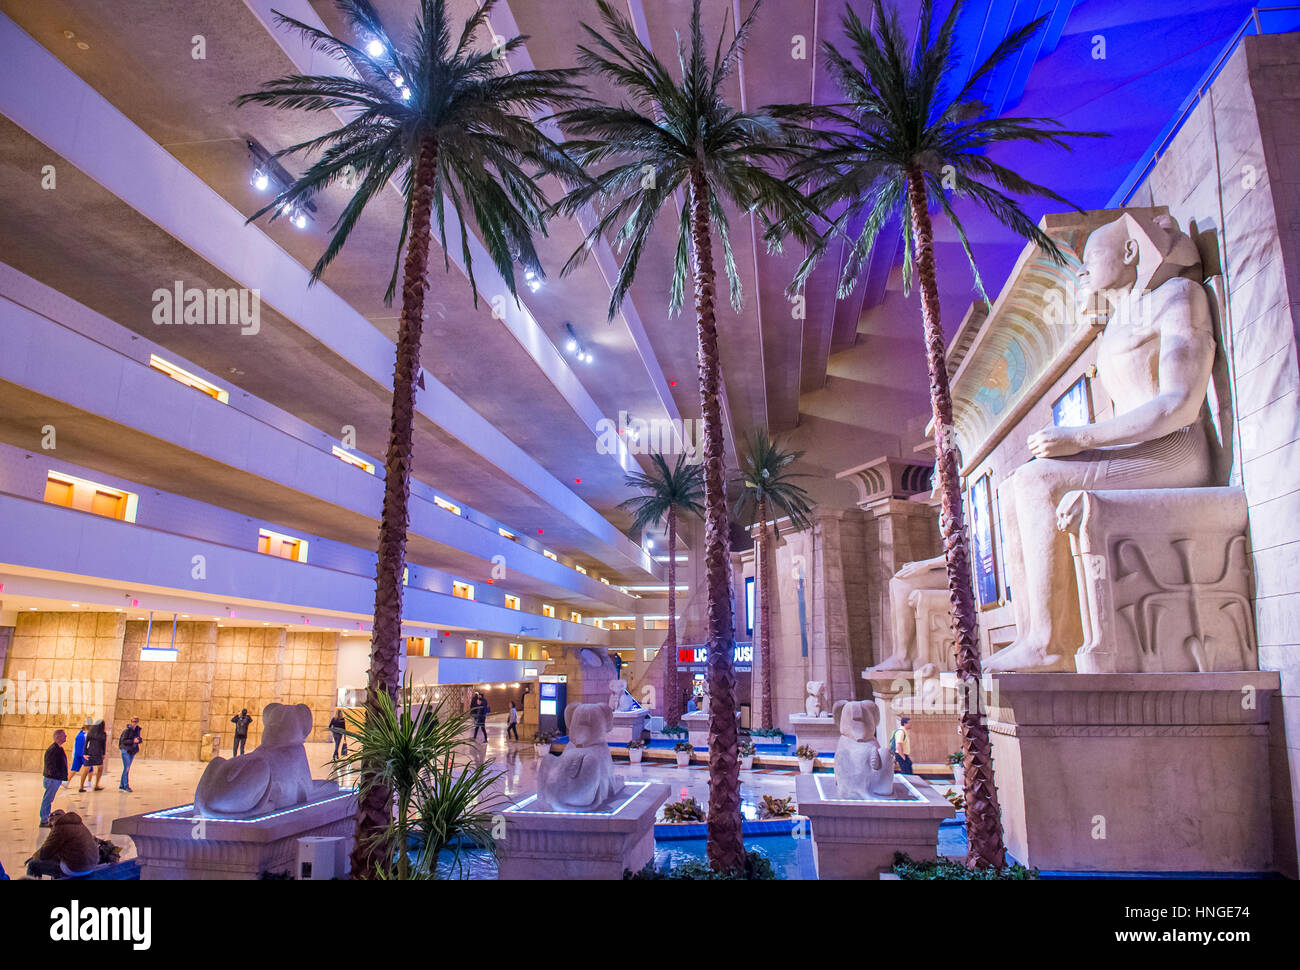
point(163, 784)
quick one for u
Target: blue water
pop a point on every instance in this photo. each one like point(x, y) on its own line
point(791, 858)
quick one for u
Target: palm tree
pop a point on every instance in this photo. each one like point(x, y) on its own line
point(768, 491)
point(667, 493)
point(448, 122)
point(672, 134)
point(911, 129)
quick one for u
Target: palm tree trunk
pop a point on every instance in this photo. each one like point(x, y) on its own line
point(983, 819)
point(375, 806)
point(672, 701)
point(765, 616)
point(726, 845)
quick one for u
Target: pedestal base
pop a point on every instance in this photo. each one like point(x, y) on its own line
point(177, 843)
point(697, 728)
point(627, 725)
point(1135, 772)
point(820, 733)
point(857, 838)
point(581, 845)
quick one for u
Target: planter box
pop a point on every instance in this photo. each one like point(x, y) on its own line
point(856, 838)
point(582, 845)
point(819, 733)
point(177, 843)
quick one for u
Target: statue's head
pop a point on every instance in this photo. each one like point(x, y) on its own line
point(1110, 260)
point(814, 687)
point(285, 724)
point(588, 724)
point(857, 719)
point(1139, 250)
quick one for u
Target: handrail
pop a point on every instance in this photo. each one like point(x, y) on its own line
point(1153, 154)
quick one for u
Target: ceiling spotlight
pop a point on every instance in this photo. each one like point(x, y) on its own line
point(406, 94)
point(649, 543)
point(260, 180)
point(373, 47)
point(588, 358)
point(300, 220)
point(397, 79)
point(571, 346)
point(529, 274)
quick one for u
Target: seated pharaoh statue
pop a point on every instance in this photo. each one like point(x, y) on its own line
point(917, 589)
point(1154, 360)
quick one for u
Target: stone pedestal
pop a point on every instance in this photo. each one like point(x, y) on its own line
point(697, 728)
point(178, 843)
point(932, 736)
point(856, 838)
point(1163, 579)
point(1135, 772)
point(627, 726)
point(819, 733)
point(582, 845)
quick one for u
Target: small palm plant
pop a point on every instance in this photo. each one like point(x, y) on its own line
point(667, 494)
point(912, 128)
point(768, 491)
point(437, 803)
point(676, 145)
point(449, 123)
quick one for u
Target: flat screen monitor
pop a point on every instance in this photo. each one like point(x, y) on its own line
point(546, 707)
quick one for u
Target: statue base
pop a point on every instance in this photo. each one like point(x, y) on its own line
point(581, 845)
point(697, 728)
point(856, 838)
point(178, 843)
point(1135, 772)
point(820, 733)
point(628, 725)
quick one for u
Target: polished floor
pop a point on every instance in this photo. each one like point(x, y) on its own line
point(163, 784)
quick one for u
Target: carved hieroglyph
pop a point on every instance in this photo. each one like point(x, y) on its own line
point(1164, 584)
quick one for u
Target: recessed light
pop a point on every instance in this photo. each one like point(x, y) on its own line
point(374, 48)
point(82, 45)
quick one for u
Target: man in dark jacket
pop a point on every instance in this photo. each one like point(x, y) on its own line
point(241, 722)
point(56, 773)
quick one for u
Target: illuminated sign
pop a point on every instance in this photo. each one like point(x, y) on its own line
point(743, 654)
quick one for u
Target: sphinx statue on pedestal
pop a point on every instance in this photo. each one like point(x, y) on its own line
point(582, 778)
point(273, 776)
point(815, 701)
point(1154, 359)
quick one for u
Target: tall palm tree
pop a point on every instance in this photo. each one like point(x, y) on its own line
point(667, 493)
point(449, 121)
point(910, 130)
point(768, 490)
point(681, 133)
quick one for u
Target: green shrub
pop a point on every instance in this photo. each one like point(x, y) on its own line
point(905, 867)
point(757, 866)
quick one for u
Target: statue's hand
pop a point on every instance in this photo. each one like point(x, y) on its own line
point(1053, 442)
point(909, 569)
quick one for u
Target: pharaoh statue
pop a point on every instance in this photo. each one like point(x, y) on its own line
point(1154, 359)
point(914, 591)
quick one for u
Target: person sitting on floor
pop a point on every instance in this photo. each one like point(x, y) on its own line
point(70, 849)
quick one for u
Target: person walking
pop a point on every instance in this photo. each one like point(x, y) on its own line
point(337, 726)
point(479, 709)
point(56, 773)
point(78, 753)
point(241, 722)
point(901, 744)
point(96, 748)
point(129, 745)
point(512, 722)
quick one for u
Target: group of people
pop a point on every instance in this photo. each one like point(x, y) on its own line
point(89, 750)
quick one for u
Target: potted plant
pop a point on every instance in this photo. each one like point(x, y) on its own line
point(683, 750)
point(958, 762)
point(772, 807)
point(807, 758)
point(684, 811)
point(635, 748)
point(542, 742)
point(746, 752)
